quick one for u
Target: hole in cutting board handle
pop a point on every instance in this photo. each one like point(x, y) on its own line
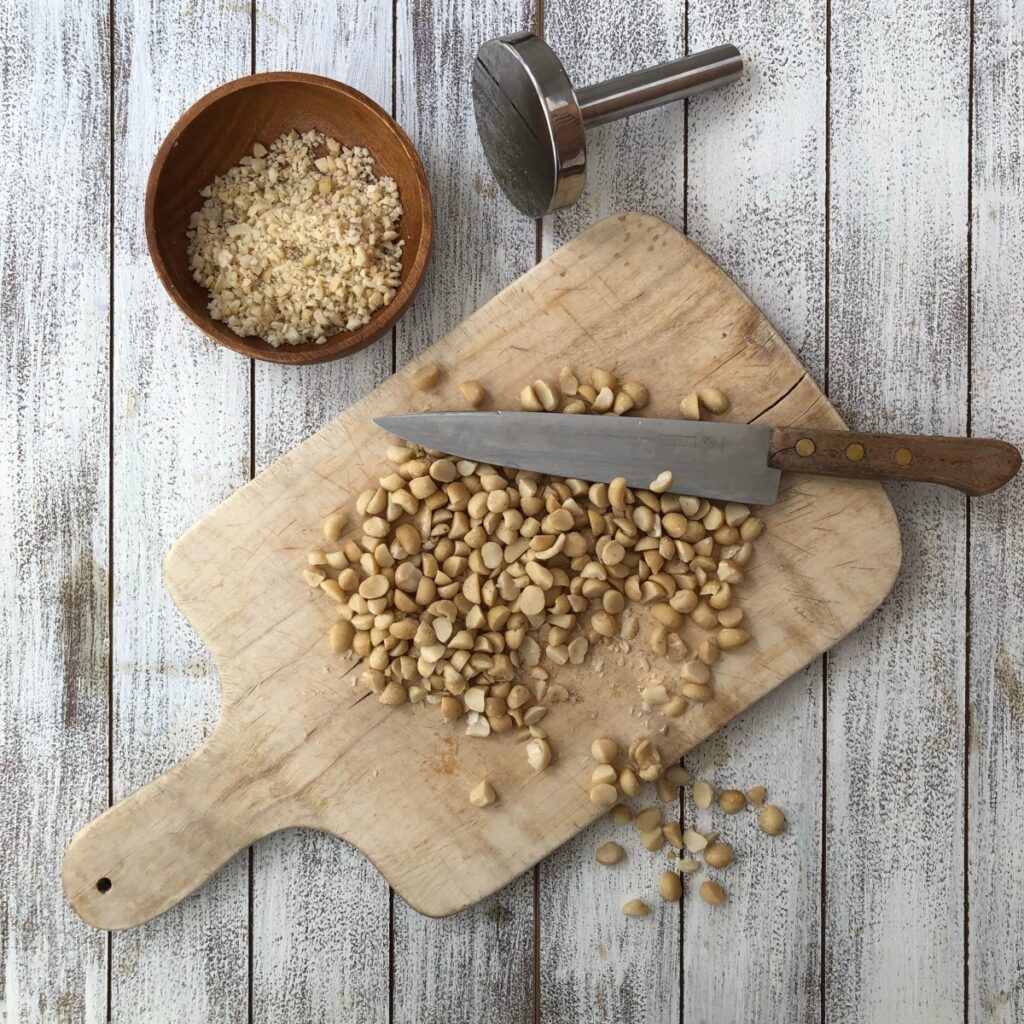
point(104, 884)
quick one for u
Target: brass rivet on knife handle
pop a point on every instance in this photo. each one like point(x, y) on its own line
point(974, 465)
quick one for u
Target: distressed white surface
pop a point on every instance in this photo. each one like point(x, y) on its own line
point(320, 909)
point(595, 963)
point(54, 512)
point(478, 965)
point(996, 685)
point(180, 446)
point(894, 867)
point(883, 752)
point(756, 202)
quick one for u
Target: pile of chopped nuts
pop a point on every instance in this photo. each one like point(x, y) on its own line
point(298, 242)
point(465, 585)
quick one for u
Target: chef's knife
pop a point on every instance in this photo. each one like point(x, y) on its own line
point(730, 461)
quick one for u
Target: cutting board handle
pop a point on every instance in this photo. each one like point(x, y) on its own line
point(156, 846)
point(974, 465)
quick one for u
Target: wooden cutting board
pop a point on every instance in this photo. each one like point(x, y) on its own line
point(298, 744)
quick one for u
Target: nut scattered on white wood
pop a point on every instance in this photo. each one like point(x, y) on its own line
point(673, 833)
point(635, 908)
point(756, 795)
point(772, 820)
point(648, 819)
point(669, 886)
point(621, 814)
point(653, 840)
point(703, 793)
point(667, 791)
point(609, 853)
point(732, 801)
point(712, 892)
point(718, 855)
point(694, 841)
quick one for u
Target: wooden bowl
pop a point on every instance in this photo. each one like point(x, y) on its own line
point(215, 133)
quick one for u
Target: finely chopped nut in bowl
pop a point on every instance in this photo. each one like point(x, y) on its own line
point(219, 131)
point(294, 246)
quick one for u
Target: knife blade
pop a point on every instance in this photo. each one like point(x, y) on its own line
point(730, 461)
point(714, 460)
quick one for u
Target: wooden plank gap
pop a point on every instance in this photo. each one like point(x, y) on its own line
point(391, 945)
point(826, 325)
point(536, 944)
point(393, 337)
point(250, 874)
point(111, 46)
point(681, 936)
point(827, 298)
point(538, 255)
point(968, 608)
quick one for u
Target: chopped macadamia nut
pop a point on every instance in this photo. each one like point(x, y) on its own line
point(293, 247)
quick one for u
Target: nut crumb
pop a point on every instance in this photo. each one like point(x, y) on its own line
point(293, 248)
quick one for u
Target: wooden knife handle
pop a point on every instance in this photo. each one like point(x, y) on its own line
point(974, 465)
point(152, 849)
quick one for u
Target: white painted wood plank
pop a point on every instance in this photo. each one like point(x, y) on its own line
point(996, 750)
point(477, 965)
point(897, 360)
point(320, 909)
point(595, 963)
point(54, 557)
point(181, 445)
point(481, 242)
point(756, 202)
